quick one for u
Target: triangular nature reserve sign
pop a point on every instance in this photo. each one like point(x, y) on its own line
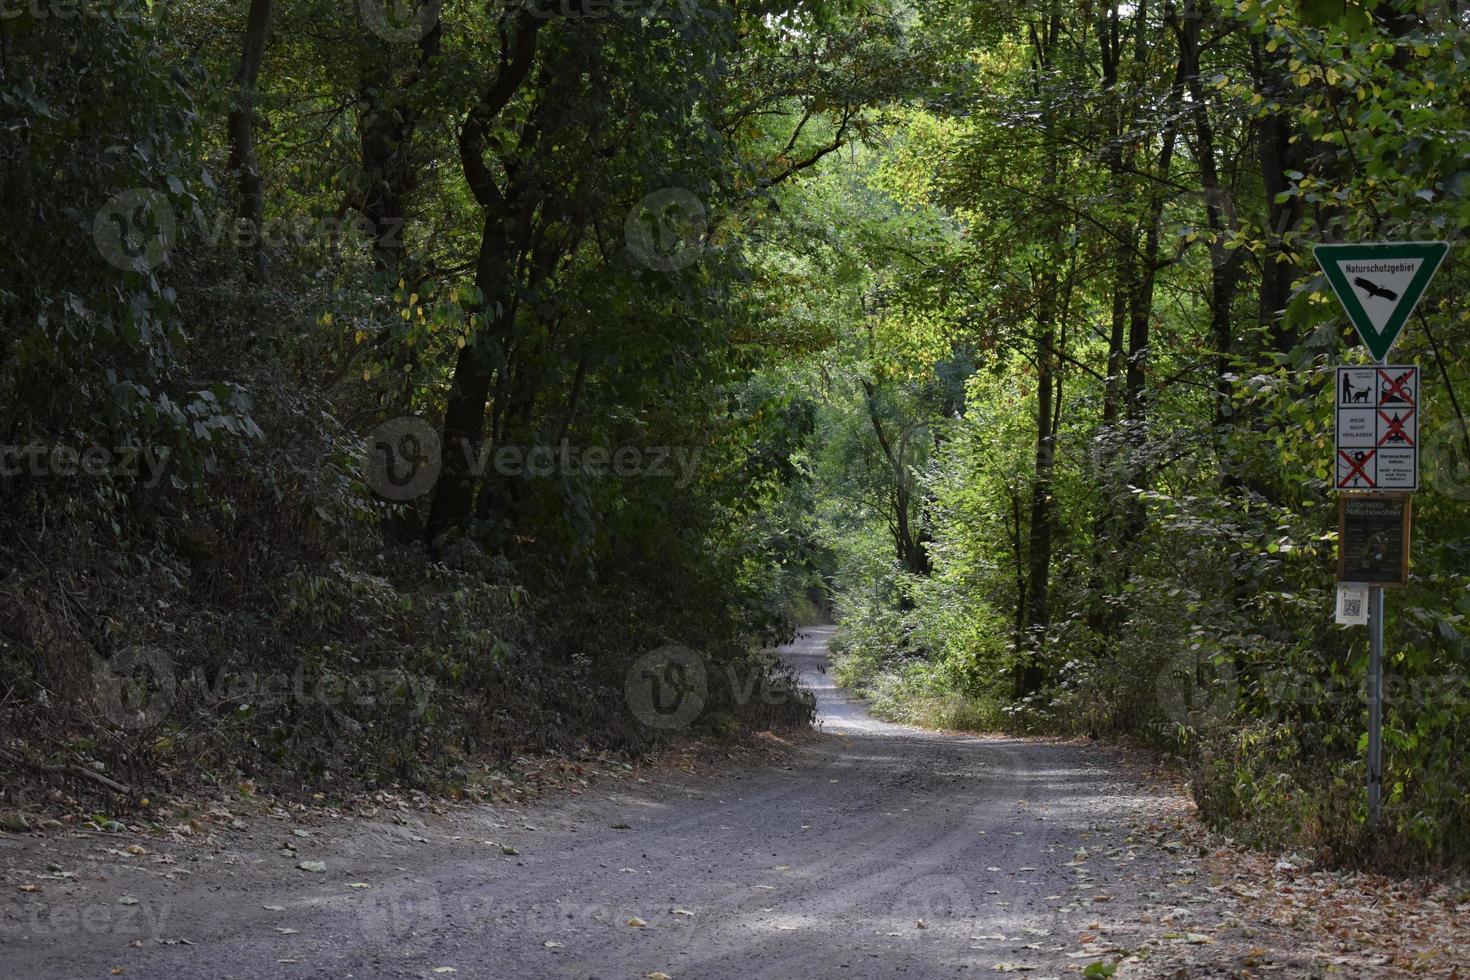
point(1379, 284)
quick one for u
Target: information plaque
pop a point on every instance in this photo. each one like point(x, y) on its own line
point(1373, 538)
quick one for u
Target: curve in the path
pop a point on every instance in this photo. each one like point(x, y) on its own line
point(880, 851)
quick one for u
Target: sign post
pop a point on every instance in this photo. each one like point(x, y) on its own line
point(1377, 421)
point(1375, 705)
point(1373, 539)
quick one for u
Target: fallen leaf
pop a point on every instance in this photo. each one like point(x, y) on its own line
point(636, 922)
point(316, 867)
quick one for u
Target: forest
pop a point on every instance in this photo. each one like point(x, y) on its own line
point(381, 384)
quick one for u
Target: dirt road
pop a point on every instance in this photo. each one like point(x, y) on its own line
point(879, 851)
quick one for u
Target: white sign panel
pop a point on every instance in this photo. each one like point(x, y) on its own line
point(1377, 428)
point(1352, 604)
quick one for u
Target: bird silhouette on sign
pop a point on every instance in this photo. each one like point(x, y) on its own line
point(1373, 289)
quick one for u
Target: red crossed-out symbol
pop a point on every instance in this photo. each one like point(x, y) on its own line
point(1396, 387)
point(1355, 468)
point(1396, 425)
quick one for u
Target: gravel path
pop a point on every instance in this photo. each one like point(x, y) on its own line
point(878, 851)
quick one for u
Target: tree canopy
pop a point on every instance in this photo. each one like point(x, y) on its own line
point(492, 346)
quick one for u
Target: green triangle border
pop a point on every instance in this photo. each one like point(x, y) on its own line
point(1328, 257)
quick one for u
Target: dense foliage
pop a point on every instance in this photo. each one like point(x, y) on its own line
point(261, 262)
point(468, 353)
point(1095, 338)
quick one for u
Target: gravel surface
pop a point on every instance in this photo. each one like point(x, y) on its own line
point(876, 850)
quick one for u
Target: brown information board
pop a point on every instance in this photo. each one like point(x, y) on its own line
point(1373, 538)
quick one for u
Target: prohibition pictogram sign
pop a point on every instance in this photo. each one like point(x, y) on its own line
point(1396, 431)
point(1356, 468)
point(1400, 388)
point(1377, 428)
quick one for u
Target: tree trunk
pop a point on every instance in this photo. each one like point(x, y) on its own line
point(1277, 155)
point(1220, 219)
point(475, 366)
point(241, 126)
point(1030, 673)
point(1140, 316)
point(386, 127)
point(911, 551)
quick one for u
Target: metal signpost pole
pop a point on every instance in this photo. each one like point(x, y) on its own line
point(1375, 697)
point(1375, 704)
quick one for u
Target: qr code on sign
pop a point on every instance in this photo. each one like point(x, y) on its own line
point(1352, 607)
